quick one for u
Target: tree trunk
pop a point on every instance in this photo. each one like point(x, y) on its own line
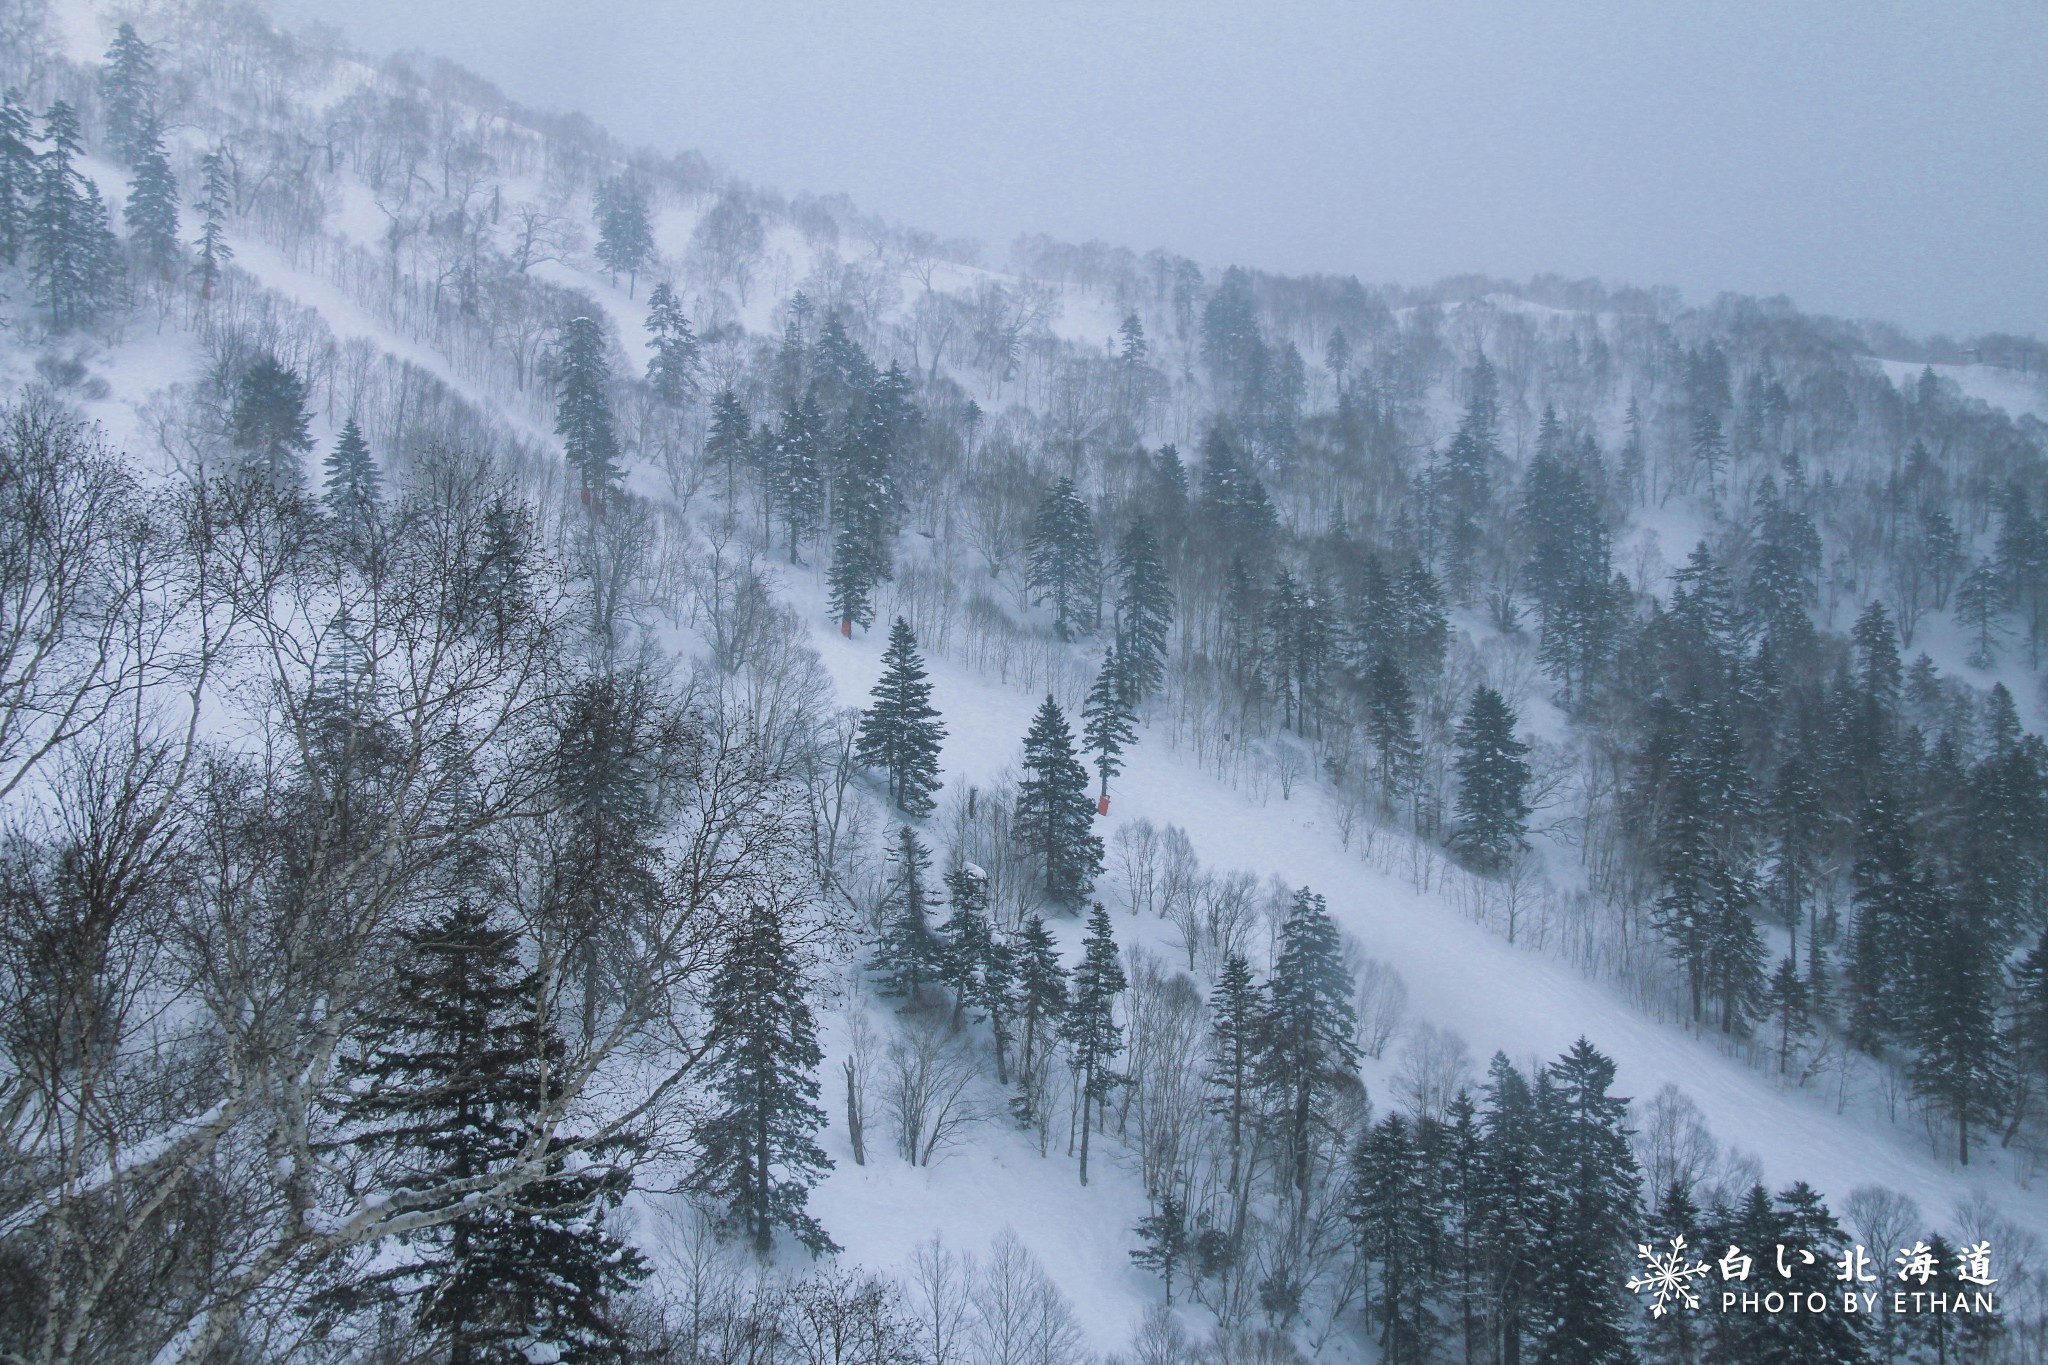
point(1086, 1085)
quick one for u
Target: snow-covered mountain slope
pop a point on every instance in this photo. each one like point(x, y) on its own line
point(358, 297)
point(1459, 976)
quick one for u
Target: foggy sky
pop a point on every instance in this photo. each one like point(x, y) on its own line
point(1869, 159)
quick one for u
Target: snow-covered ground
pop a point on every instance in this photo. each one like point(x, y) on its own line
point(1460, 977)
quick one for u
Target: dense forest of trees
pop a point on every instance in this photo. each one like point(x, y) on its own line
point(422, 842)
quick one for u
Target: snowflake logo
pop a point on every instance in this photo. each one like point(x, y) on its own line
point(1668, 1276)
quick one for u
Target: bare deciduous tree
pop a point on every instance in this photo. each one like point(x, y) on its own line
point(1382, 1004)
point(930, 1073)
point(390, 712)
point(1230, 915)
point(89, 609)
point(1137, 855)
point(1020, 1316)
point(1435, 1066)
point(941, 1282)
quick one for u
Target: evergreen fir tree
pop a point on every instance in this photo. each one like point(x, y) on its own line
point(1877, 651)
point(1463, 482)
point(2028, 1037)
point(151, 213)
point(796, 470)
point(1962, 1059)
point(875, 418)
point(501, 589)
point(1784, 568)
point(759, 1156)
point(566, 1273)
point(1041, 988)
point(1790, 1011)
point(1803, 1224)
point(455, 1019)
point(72, 260)
point(1136, 380)
point(672, 361)
point(1065, 568)
point(1454, 1154)
point(792, 357)
point(1591, 1211)
point(900, 731)
point(1889, 896)
point(1704, 909)
point(1707, 617)
point(840, 368)
point(1753, 1222)
point(351, 487)
point(851, 581)
point(1131, 345)
point(17, 178)
point(1511, 1204)
point(1171, 501)
point(995, 995)
point(2001, 723)
point(1107, 725)
point(625, 234)
point(1236, 1043)
point(1927, 1335)
point(1390, 728)
point(583, 410)
point(1421, 621)
point(460, 1059)
point(1675, 1336)
point(1980, 611)
point(128, 82)
point(1394, 1217)
point(1284, 402)
point(1310, 1034)
point(1054, 815)
point(1492, 809)
point(877, 421)
point(1166, 1240)
point(1708, 448)
point(1244, 630)
point(1234, 502)
point(1560, 520)
point(1796, 817)
point(1302, 645)
point(1144, 612)
point(1337, 357)
point(99, 271)
point(1998, 868)
point(609, 751)
point(348, 743)
point(909, 956)
point(216, 202)
point(968, 945)
point(1941, 547)
point(1093, 1037)
point(1580, 637)
point(268, 422)
point(1735, 954)
point(728, 444)
point(1372, 627)
point(2022, 556)
point(1230, 331)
